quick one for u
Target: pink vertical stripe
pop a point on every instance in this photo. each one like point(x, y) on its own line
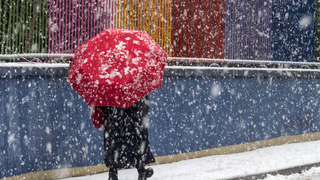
point(53, 22)
point(49, 29)
point(78, 16)
point(72, 26)
point(91, 18)
point(69, 27)
point(59, 22)
point(82, 16)
point(100, 17)
point(112, 13)
point(63, 35)
point(55, 25)
point(75, 21)
point(107, 14)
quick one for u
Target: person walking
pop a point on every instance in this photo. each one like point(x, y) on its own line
point(126, 141)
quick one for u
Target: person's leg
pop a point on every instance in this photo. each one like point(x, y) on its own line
point(143, 172)
point(113, 174)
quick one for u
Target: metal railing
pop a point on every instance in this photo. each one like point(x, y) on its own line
point(175, 59)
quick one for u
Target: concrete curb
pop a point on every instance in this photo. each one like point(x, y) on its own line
point(285, 172)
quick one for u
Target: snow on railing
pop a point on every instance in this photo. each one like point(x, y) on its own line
point(241, 61)
point(35, 55)
point(179, 59)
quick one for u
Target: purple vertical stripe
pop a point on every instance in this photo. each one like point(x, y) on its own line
point(78, 25)
point(59, 22)
point(83, 23)
point(247, 29)
point(101, 17)
point(69, 27)
point(92, 19)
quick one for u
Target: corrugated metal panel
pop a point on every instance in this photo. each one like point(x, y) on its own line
point(23, 26)
point(294, 30)
point(72, 23)
point(248, 29)
point(198, 28)
point(152, 16)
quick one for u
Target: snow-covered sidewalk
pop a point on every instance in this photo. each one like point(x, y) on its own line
point(234, 165)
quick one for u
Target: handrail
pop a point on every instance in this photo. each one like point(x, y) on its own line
point(36, 55)
point(242, 61)
point(180, 59)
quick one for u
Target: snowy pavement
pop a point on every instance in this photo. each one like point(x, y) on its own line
point(254, 162)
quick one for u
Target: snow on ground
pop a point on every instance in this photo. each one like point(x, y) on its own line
point(234, 165)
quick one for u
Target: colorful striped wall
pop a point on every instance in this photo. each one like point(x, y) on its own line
point(283, 30)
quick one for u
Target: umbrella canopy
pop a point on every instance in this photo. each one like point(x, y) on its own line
point(117, 68)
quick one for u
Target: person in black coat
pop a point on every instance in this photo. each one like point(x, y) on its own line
point(126, 141)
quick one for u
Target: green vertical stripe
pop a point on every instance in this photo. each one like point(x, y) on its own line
point(5, 24)
point(17, 19)
point(23, 26)
point(34, 25)
point(39, 16)
point(20, 25)
point(45, 25)
point(9, 39)
point(16, 26)
point(28, 24)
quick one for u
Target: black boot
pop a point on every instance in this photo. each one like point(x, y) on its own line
point(145, 173)
point(113, 174)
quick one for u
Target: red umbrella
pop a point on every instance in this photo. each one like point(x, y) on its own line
point(117, 68)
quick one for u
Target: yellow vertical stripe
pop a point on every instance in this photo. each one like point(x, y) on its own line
point(152, 16)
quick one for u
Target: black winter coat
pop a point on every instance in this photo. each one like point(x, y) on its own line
point(126, 136)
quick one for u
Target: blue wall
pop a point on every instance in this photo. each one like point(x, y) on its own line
point(45, 125)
